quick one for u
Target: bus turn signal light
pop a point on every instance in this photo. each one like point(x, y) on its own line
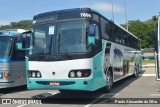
point(6, 75)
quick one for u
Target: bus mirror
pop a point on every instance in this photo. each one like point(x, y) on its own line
point(24, 41)
point(91, 34)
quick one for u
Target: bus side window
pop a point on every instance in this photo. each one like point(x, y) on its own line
point(105, 28)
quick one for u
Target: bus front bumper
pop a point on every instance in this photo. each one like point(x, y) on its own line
point(70, 84)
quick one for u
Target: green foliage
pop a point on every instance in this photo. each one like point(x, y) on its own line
point(23, 24)
point(143, 30)
point(148, 62)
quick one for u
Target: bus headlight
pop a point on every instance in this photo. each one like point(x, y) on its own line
point(81, 73)
point(72, 74)
point(38, 74)
point(34, 74)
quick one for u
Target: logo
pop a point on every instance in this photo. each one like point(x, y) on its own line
point(6, 101)
point(118, 53)
point(53, 73)
point(85, 15)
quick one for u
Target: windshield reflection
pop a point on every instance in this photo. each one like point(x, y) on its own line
point(5, 46)
point(60, 38)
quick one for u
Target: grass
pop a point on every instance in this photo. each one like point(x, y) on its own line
point(148, 54)
point(148, 62)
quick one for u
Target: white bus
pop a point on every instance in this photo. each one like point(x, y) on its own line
point(79, 49)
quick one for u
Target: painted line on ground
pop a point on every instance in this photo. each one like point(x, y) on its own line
point(88, 105)
point(22, 105)
point(146, 75)
point(43, 97)
point(22, 92)
point(153, 83)
point(158, 95)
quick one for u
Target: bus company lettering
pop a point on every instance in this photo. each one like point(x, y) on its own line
point(85, 15)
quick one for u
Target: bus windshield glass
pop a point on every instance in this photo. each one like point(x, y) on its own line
point(5, 46)
point(60, 37)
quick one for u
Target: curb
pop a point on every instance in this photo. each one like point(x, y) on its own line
point(140, 75)
point(149, 65)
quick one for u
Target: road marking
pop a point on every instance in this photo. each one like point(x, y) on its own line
point(88, 105)
point(22, 92)
point(43, 97)
point(52, 93)
point(155, 95)
point(153, 83)
point(22, 105)
point(146, 75)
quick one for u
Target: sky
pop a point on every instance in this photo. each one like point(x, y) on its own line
point(16, 10)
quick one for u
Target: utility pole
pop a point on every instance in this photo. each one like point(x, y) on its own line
point(125, 14)
point(112, 11)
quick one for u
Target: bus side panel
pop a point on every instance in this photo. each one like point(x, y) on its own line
point(14, 72)
point(98, 77)
point(18, 72)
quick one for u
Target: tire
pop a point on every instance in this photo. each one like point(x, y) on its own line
point(136, 72)
point(65, 91)
point(109, 81)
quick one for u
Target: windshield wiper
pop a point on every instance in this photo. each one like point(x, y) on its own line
point(60, 43)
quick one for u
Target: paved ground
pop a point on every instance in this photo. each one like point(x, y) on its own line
point(148, 70)
point(141, 87)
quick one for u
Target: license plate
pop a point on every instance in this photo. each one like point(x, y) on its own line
point(54, 83)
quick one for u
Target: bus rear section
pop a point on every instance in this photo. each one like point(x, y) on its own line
point(12, 61)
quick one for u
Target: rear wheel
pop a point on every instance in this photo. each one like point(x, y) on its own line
point(136, 72)
point(109, 80)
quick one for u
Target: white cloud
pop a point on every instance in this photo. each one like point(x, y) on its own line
point(107, 7)
point(4, 22)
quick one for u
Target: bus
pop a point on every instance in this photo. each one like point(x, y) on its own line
point(12, 60)
point(79, 49)
point(157, 48)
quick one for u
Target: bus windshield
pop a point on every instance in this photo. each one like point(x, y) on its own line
point(5, 46)
point(60, 37)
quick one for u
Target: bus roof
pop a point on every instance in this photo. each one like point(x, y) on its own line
point(86, 9)
point(11, 32)
point(61, 11)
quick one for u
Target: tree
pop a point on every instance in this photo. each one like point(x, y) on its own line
point(143, 30)
point(23, 24)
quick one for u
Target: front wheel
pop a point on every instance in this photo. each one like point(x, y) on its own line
point(109, 81)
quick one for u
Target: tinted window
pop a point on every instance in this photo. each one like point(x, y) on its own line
point(116, 34)
point(105, 28)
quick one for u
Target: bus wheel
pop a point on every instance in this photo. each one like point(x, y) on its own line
point(109, 81)
point(136, 71)
point(65, 91)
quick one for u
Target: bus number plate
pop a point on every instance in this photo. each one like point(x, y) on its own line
point(54, 83)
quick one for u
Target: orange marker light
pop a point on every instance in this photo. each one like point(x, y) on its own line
point(6, 75)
